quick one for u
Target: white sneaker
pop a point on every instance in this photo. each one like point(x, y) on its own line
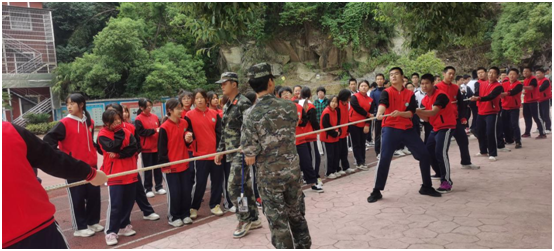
point(398, 153)
point(216, 210)
point(319, 182)
point(547, 131)
point(342, 172)
point(350, 170)
point(363, 167)
point(536, 131)
point(332, 176)
point(504, 149)
point(470, 166)
point(256, 224)
point(111, 239)
point(233, 209)
point(150, 194)
point(492, 158)
point(350, 149)
point(152, 216)
point(127, 231)
point(406, 151)
point(176, 223)
point(378, 156)
point(96, 228)
point(337, 174)
point(161, 191)
point(187, 221)
point(480, 155)
point(367, 144)
point(83, 233)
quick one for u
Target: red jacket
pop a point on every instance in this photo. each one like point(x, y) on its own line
point(299, 129)
point(451, 90)
point(329, 119)
point(124, 144)
point(146, 126)
point(403, 100)
point(27, 207)
point(446, 117)
point(531, 96)
point(75, 138)
point(511, 101)
point(490, 105)
point(547, 93)
point(309, 127)
point(206, 128)
point(481, 83)
point(172, 146)
point(360, 107)
point(343, 120)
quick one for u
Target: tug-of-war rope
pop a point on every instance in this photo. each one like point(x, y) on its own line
point(79, 183)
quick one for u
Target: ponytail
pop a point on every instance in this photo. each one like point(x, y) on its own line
point(170, 104)
point(89, 121)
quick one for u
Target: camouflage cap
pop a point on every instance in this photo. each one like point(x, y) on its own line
point(226, 76)
point(259, 71)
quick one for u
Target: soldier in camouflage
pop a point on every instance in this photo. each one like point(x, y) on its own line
point(268, 140)
point(233, 112)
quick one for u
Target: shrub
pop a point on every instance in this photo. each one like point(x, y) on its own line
point(36, 118)
point(41, 128)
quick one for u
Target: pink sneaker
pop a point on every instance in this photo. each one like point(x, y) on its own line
point(445, 187)
point(127, 231)
point(111, 239)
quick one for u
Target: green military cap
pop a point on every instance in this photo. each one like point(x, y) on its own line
point(226, 76)
point(259, 71)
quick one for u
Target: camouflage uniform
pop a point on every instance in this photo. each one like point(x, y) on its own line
point(269, 133)
point(233, 113)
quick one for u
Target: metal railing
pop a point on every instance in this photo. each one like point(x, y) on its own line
point(44, 106)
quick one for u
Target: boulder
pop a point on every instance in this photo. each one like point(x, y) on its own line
point(304, 73)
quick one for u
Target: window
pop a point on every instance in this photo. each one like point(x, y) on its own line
point(20, 20)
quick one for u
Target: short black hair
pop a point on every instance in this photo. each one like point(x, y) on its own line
point(449, 68)
point(514, 70)
point(458, 78)
point(540, 69)
point(297, 86)
point(344, 95)
point(429, 77)
point(474, 74)
point(259, 84)
point(363, 81)
point(352, 79)
point(285, 89)
point(466, 76)
point(495, 69)
point(415, 74)
point(306, 92)
point(116, 106)
point(528, 67)
point(380, 74)
point(321, 89)
point(108, 117)
point(409, 84)
point(277, 89)
point(252, 96)
point(373, 85)
point(203, 93)
point(397, 68)
point(481, 68)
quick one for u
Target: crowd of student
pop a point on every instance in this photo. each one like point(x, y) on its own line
point(439, 108)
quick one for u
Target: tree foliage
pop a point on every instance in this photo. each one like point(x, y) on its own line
point(435, 26)
point(76, 23)
point(424, 63)
point(522, 29)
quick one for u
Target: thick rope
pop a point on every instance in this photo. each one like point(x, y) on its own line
point(79, 183)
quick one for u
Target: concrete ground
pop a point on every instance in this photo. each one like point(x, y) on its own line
point(505, 204)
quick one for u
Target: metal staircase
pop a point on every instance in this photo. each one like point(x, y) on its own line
point(34, 57)
point(44, 106)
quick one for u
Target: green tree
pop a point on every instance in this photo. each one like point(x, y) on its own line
point(425, 63)
point(437, 26)
point(523, 29)
point(6, 100)
point(76, 23)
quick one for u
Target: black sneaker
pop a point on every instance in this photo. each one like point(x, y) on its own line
point(429, 191)
point(317, 189)
point(375, 196)
point(435, 177)
point(518, 145)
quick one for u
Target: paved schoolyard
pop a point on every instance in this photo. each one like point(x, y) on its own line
point(505, 204)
